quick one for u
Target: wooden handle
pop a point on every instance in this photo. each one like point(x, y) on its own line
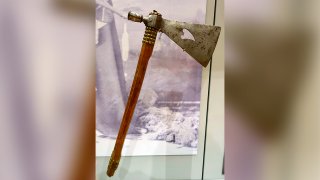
point(146, 52)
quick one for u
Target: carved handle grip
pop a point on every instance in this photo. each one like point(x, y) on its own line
point(146, 51)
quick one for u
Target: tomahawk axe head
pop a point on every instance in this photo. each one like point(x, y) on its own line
point(200, 47)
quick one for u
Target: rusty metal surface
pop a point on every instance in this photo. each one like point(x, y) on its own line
point(200, 46)
point(154, 20)
point(204, 43)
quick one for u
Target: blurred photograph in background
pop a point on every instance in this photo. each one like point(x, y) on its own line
point(166, 119)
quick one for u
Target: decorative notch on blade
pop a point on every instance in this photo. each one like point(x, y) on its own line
point(187, 35)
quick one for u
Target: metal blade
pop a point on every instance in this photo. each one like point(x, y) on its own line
point(204, 43)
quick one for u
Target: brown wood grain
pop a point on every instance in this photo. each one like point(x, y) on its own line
point(145, 54)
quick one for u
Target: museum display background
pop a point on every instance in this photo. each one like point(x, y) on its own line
point(166, 118)
point(188, 167)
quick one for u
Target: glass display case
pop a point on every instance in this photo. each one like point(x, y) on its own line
point(177, 131)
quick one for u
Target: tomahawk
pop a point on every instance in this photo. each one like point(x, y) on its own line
point(200, 47)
